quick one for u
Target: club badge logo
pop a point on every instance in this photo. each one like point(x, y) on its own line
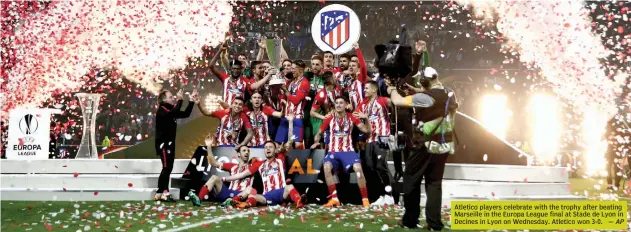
point(335, 28)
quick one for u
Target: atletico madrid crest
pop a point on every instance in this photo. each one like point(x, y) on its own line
point(334, 28)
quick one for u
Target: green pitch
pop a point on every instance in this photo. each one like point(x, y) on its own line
point(182, 216)
point(153, 216)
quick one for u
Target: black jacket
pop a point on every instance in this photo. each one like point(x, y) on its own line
point(166, 116)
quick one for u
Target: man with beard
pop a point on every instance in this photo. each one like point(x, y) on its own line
point(166, 128)
point(341, 153)
point(259, 118)
point(237, 187)
point(323, 103)
point(272, 171)
point(230, 123)
point(296, 90)
point(316, 82)
point(259, 71)
point(355, 78)
point(344, 60)
point(235, 84)
point(262, 73)
point(374, 110)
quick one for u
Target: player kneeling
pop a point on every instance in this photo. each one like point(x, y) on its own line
point(272, 171)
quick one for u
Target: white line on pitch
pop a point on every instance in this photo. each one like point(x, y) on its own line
point(215, 220)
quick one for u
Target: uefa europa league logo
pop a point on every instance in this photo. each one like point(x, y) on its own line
point(28, 124)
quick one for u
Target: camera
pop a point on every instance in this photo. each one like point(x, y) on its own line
point(394, 61)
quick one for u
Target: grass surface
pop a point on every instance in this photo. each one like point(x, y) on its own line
point(153, 216)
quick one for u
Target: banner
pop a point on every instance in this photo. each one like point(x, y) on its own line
point(29, 134)
point(303, 166)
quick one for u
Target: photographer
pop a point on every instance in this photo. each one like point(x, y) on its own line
point(434, 109)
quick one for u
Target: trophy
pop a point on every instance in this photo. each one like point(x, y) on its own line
point(89, 106)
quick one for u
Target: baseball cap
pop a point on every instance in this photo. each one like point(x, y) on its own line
point(430, 72)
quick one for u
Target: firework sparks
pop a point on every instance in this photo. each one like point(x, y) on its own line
point(557, 38)
point(144, 40)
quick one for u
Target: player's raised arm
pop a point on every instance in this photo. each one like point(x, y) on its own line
point(210, 141)
point(211, 65)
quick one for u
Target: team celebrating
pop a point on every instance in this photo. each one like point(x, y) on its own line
point(341, 109)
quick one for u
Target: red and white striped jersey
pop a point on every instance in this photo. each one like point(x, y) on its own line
point(229, 126)
point(233, 88)
point(234, 169)
point(298, 90)
point(340, 129)
point(377, 112)
point(356, 92)
point(272, 173)
point(259, 120)
point(325, 99)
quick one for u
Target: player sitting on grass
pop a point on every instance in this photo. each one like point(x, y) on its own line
point(237, 187)
point(272, 171)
